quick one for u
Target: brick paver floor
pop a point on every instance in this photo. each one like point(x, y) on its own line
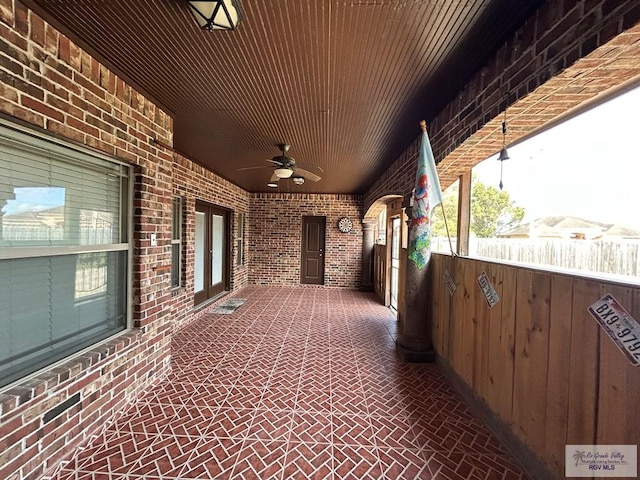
point(297, 383)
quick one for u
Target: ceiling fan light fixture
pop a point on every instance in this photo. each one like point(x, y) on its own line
point(215, 15)
point(283, 172)
point(298, 180)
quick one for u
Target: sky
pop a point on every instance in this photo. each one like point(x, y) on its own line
point(34, 199)
point(588, 167)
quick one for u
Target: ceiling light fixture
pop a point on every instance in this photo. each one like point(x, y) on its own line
point(216, 15)
point(298, 180)
point(283, 172)
point(503, 155)
point(272, 184)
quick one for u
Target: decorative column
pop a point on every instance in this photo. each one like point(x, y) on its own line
point(414, 333)
point(414, 329)
point(368, 242)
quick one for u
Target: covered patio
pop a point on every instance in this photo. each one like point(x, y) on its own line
point(148, 173)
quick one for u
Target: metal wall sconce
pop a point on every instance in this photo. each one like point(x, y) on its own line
point(216, 15)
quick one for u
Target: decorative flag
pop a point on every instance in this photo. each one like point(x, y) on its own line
point(427, 196)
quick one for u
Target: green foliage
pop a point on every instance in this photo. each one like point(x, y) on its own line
point(492, 211)
point(450, 203)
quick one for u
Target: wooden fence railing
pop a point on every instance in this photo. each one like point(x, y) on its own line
point(620, 257)
point(538, 359)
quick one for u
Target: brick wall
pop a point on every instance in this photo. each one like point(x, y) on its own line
point(568, 53)
point(49, 84)
point(274, 249)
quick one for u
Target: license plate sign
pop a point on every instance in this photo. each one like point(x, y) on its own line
point(487, 289)
point(619, 325)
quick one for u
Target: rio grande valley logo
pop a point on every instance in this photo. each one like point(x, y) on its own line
point(601, 461)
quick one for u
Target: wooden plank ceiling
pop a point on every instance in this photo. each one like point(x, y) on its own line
point(344, 82)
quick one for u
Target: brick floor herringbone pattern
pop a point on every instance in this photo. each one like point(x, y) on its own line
point(298, 383)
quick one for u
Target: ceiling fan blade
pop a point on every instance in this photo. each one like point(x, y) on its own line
point(254, 168)
point(307, 174)
point(274, 161)
point(274, 177)
point(306, 165)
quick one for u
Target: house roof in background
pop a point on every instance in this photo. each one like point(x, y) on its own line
point(569, 227)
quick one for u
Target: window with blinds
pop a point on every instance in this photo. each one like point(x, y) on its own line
point(176, 244)
point(64, 252)
point(240, 240)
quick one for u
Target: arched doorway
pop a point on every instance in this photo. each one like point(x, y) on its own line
point(387, 219)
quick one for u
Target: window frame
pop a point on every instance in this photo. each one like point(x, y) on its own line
point(177, 213)
point(240, 239)
point(40, 143)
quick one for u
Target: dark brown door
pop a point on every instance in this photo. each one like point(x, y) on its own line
point(211, 264)
point(312, 270)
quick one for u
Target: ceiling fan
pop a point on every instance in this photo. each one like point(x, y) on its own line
point(285, 167)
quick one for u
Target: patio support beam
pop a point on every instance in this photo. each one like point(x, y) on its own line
point(464, 213)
